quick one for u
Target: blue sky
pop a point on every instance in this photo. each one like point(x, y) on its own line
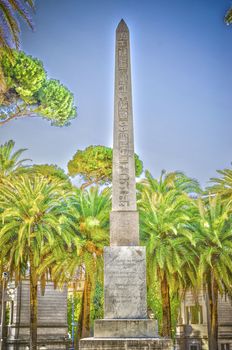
point(181, 74)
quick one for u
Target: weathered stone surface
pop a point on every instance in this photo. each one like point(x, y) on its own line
point(125, 282)
point(124, 228)
point(123, 195)
point(126, 344)
point(125, 329)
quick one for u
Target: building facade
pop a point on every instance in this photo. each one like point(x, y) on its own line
point(192, 324)
point(52, 318)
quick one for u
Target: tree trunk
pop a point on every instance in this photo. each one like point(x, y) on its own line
point(79, 325)
point(166, 308)
point(212, 291)
point(85, 322)
point(33, 305)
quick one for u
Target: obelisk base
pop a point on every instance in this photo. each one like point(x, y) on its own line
point(125, 344)
point(125, 283)
point(125, 328)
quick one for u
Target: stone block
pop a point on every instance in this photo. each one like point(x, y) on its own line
point(126, 344)
point(125, 283)
point(124, 228)
point(125, 329)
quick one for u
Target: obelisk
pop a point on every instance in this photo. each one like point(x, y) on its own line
point(125, 261)
point(124, 224)
point(125, 324)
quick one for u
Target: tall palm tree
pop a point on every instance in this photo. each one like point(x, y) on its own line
point(213, 232)
point(90, 217)
point(11, 165)
point(165, 210)
point(223, 185)
point(33, 227)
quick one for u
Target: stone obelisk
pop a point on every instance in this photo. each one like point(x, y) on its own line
point(125, 324)
point(124, 217)
point(125, 263)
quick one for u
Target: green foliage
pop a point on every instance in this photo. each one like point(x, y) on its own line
point(24, 74)
point(10, 163)
point(56, 103)
point(213, 233)
point(50, 171)
point(138, 166)
point(154, 303)
point(97, 311)
point(94, 165)
point(153, 298)
point(73, 304)
point(188, 240)
point(9, 28)
point(212, 230)
point(228, 16)
point(29, 93)
point(93, 208)
point(88, 215)
point(33, 225)
point(33, 220)
point(165, 210)
point(222, 186)
point(175, 307)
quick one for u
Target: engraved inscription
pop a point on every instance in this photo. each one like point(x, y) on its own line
point(123, 35)
point(123, 274)
point(123, 126)
point(125, 282)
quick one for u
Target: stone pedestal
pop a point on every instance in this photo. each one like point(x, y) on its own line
point(125, 326)
point(125, 329)
point(125, 283)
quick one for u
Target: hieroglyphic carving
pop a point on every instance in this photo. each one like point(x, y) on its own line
point(123, 127)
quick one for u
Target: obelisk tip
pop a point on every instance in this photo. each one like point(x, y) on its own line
point(122, 27)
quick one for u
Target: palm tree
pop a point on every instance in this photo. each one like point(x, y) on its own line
point(93, 207)
point(213, 231)
point(9, 26)
point(165, 210)
point(222, 186)
point(90, 217)
point(33, 227)
point(10, 163)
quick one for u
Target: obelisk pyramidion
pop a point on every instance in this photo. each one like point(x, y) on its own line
point(125, 324)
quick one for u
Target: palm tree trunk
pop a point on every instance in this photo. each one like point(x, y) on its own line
point(85, 327)
point(33, 305)
point(79, 327)
point(212, 291)
point(166, 308)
